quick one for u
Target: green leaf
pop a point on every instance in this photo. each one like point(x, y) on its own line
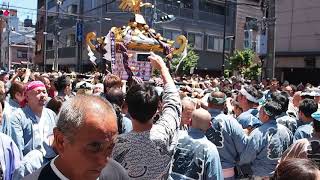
point(189, 62)
point(243, 62)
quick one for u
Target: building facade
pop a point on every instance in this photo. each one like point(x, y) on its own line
point(248, 16)
point(21, 54)
point(201, 21)
point(298, 41)
point(17, 42)
point(40, 36)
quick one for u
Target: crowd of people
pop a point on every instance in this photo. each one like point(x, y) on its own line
point(69, 126)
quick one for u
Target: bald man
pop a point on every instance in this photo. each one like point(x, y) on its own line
point(195, 156)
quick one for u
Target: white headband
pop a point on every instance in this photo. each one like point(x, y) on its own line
point(249, 96)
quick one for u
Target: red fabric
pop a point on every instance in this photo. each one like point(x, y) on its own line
point(30, 86)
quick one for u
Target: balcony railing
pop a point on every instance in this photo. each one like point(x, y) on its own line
point(179, 12)
point(175, 10)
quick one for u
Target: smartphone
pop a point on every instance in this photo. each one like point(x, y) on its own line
point(143, 57)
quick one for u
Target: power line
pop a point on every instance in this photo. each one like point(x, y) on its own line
point(62, 13)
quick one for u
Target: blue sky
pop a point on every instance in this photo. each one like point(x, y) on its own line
point(23, 13)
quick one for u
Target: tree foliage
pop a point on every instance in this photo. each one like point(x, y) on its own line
point(242, 62)
point(187, 63)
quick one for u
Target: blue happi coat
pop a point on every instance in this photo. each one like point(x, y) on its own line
point(249, 119)
point(195, 157)
point(9, 156)
point(288, 121)
point(304, 131)
point(26, 131)
point(265, 147)
point(10, 107)
point(227, 134)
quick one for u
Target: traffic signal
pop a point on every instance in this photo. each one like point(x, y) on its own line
point(4, 12)
point(167, 18)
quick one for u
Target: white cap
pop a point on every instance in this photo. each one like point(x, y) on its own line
point(84, 85)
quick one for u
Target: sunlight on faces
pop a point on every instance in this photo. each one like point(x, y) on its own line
point(37, 96)
point(263, 115)
point(187, 114)
point(5, 77)
point(237, 110)
point(68, 89)
point(97, 90)
point(242, 100)
point(2, 88)
point(1, 113)
point(47, 83)
point(19, 97)
point(91, 145)
point(274, 85)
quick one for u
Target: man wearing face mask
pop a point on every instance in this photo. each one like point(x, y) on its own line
point(31, 125)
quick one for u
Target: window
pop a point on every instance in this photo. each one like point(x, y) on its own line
point(251, 23)
point(182, 3)
point(210, 7)
point(310, 61)
point(248, 39)
point(49, 44)
point(171, 34)
point(71, 40)
point(22, 54)
point(228, 44)
point(52, 4)
point(215, 43)
point(186, 4)
point(93, 4)
point(73, 9)
point(195, 40)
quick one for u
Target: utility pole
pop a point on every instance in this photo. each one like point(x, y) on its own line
point(154, 14)
point(224, 38)
point(9, 45)
point(55, 66)
point(45, 36)
point(271, 24)
point(80, 38)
